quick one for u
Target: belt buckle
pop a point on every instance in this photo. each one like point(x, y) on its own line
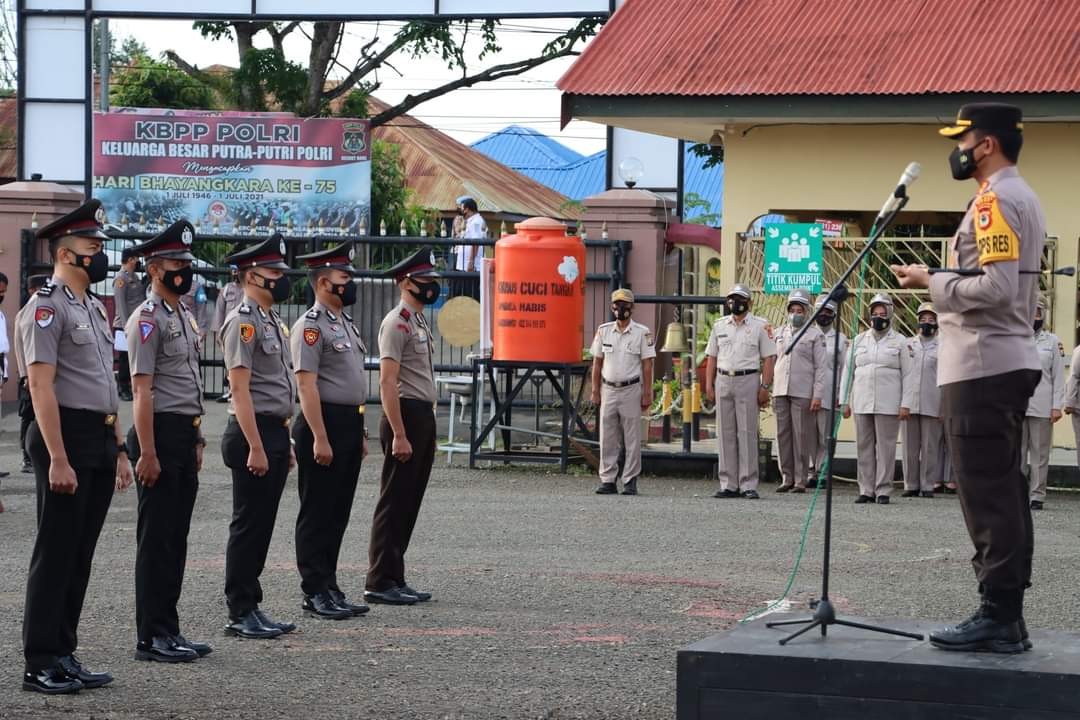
point(110, 420)
point(360, 409)
point(286, 421)
point(729, 373)
point(196, 421)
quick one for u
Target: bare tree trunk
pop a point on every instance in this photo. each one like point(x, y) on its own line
point(324, 40)
point(248, 96)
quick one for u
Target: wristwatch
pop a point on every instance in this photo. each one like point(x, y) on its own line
point(122, 448)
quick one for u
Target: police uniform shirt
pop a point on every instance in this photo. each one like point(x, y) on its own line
point(128, 294)
point(16, 344)
point(229, 297)
point(1050, 393)
point(164, 343)
point(195, 302)
point(76, 338)
point(622, 350)
point(922, 396)
point(880, 367)
point(740, 346)
point(985, 329)
point(1072, 385)
point(828, 397)
point(255, 339)
point(405, 338)
point(801, 374)
point(328, 344)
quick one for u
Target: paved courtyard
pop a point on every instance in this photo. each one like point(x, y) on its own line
point(551, 602)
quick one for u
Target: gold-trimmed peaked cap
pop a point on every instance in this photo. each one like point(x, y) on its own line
point(993, 117)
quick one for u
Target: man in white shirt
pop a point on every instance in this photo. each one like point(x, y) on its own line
point(469, 256)
point(5, 350)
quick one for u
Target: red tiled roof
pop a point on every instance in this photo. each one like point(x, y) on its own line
point(832, 47)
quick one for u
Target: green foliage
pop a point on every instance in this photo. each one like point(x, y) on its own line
point(355, 104)
point(693, 201)
point(389, 194)
point(579, 33)
point(426, 37)
point(712, 156)
point(215, 30)
point(265, 72)
point(130, 49)
point(152, 83)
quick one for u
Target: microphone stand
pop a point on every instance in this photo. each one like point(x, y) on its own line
point(824, 612)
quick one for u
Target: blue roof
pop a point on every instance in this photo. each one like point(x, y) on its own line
point(551, 163)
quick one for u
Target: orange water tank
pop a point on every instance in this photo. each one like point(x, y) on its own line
point(539, 294)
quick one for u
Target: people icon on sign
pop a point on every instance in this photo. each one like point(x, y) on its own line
point(794, 249)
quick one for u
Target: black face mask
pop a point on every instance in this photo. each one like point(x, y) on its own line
point(928, 329)
point(346, 291)
point(427, 292)
point(95, 266)
point(179, 281)
point(1038, 324)
point(622, 312)
point(825, 320)
point(738, 307)
point(279, 288)
point(879, 323)
point(962, 163)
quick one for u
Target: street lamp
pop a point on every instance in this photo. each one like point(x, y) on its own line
point(631, 171)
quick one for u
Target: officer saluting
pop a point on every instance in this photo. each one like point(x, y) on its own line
point(331, 441)
point(622, 375)
point(407, 430)
point(78, 454)
point(989, 367)
point(165, 442)
point(255, 445)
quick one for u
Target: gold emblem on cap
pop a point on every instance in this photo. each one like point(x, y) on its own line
point(185, 237)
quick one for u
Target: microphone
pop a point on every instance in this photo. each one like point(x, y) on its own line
point(911, 174)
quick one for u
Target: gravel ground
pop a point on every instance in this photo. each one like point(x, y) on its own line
point(551, 602)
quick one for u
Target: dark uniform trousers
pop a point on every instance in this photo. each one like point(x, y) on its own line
point(326, 494)
point(983, 420)
point(68, 530)
point(400, 494)
point(164, 519)
point(123, 370)
point(255, 506)
point(26, 415)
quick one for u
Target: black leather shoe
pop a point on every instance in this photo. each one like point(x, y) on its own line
point(910, 493)
point(811, 482)
point(1025, 639)
point(284, 627)
point(630, 488)
point(863, 499)
point(27, 467)
point(726, 494)
point(224, 398)
point(751, 495)
point(125, 394)
point(164, 649)
point(882, 499)
point(798, 490)
point(606, 489)
point(201, 649)
point(1036, 505)
point(393, 596)
point(321, 605)
point(421, 596)
point(250, 626)
point(980, 632)
point(51, 681)
point(939, 488)
point(343, 602)
point(90, 680)
point(784, 488)
point(926, 494)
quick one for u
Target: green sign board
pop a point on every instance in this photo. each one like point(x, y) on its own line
point(792, 257)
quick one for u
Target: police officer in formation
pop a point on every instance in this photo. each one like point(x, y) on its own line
point(26, 408)
point(330, 438)
point(1072, 397)
point(128, 293)
point(819, 436)
point(739, 371)
point(622, 373)
point(229, 297)
point(881, 362)
point(922, 431)
point(407, 429)
point(256, 445)
point(800, 386)
point(1044, 408)
point(165, 441)
point(989, 366)
point(78, 454)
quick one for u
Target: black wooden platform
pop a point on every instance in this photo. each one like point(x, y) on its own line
point(855, 675)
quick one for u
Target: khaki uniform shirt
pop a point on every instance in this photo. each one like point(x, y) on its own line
point(76, 338)
point(16, 343)
point(163, 342)
point(622, 350)
point(195, 302)
point(128, 294)
point(740, 346)
point(922, 396)
point(881, 364)
point(986, 319)
point(255, 339)
point(828, 397)
point(1072, 385)
point(1050, 393)
point(229, 297)
point(329, 345)
point(404, 336)
point(802, 373)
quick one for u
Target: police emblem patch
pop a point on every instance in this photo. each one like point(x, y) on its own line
point(247, 332)
point(146, 328)
point(119, 283)
point(281, 247)
point(186, 236)
point(311, 335)
point(44, 317)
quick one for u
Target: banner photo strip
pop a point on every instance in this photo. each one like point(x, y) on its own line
point(233, 175)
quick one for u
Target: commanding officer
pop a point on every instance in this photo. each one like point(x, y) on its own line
point(818, 445)
point(26, 408)
point(1044, 408)
point(256, 444)
point(622, 373)
point(229, 297)
point(407, 430)
point(989, 365)
point(166, 442)
point(923, 436)
point(331, 441)
point(800, 385)
point(740, 346)
point(76, 448)
point(881, 363)
point(128, 294)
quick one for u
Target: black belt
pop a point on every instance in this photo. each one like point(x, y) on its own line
point(89, 417)
point(736, 373)
point(271, 420)
point(179, 419)
point(625, 383)
point(341, 409)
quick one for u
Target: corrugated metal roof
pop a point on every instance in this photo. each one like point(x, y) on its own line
point(576, 181)
point(516, 145)
point(832, 47)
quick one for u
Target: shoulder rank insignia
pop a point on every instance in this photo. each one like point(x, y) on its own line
point(347, 316)
point(405, 314)
point(147, 308)
point(311, 336)
point(46, 290)
point(67, 291)
point(247, 332)
point(243, 309)
point(312, 314)
point(330, 314)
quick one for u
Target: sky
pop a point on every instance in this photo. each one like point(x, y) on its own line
point(467, 115)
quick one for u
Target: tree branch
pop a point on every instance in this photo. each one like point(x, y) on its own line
point(495, 72)
point(371, 62)
point(188, 68)
point(278, 36)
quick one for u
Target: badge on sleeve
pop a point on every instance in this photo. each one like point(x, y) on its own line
point(119, 283)
point(995, 239)
point(44, 317)
point(247, 332)
point(311, 335)
point(146, 328)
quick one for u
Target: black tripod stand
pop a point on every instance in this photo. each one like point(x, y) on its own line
point(825, 613)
